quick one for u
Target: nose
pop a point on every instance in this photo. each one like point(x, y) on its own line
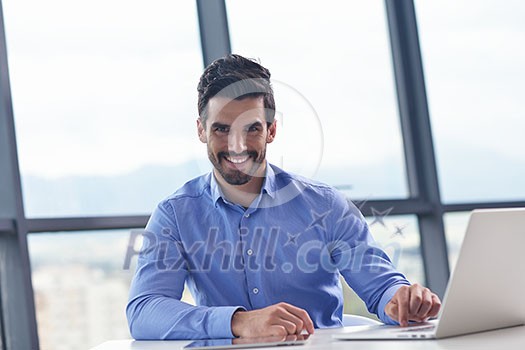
point(236, 142)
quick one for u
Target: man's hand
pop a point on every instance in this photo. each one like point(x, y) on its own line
point(413, 303)
point(276, 320)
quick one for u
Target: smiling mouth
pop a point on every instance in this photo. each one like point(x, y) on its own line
point(237, 160)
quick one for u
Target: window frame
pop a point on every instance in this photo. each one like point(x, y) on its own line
point(18, 327)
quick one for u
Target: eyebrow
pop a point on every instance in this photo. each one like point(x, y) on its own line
point(255, 124)
point(221, 125)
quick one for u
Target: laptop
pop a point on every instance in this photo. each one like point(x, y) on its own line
point(486, 289)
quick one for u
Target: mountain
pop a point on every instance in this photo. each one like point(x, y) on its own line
point(468, 174)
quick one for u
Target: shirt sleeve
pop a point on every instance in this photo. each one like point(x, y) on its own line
point(364, 265)
point(154, 308)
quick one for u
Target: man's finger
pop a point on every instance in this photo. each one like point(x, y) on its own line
point(426, 305)
point(402, 296)
point(436, 305)
point(391, 309)
point(301, 314)
point(291, 327)
point(284, 314)
point(292, 337)
point(416, 295)
point(278, 330)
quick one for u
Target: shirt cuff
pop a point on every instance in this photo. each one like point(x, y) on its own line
point(385, 299)
point(221, 321)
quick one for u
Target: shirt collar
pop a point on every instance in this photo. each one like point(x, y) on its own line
point(215, 189)
point(268, 185)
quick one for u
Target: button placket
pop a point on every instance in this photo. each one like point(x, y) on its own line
point(252, 280)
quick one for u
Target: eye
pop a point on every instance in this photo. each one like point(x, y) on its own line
point(222, 129)
point(254, 128)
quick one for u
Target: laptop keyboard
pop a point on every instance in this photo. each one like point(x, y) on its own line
point(428, 327)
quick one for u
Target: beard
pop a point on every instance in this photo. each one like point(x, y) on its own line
point(237, 176)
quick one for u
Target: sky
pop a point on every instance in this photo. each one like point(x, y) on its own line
point(474, 72)
point(102, 92)
point(105, 92)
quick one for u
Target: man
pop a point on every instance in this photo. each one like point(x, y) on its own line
point(261, 250)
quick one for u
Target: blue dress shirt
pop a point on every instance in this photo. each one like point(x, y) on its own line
point(291, 245)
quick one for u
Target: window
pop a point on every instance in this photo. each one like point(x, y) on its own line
point(399, 237)
point(80, 294)
point(473, 59)
point(455, 229)
point(334, 87)
point(104, 97)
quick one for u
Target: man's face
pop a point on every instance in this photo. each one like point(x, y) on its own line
point(236, 135)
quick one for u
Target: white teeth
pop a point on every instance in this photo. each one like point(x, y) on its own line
point(237, 160)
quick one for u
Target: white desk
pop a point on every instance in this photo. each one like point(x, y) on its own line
point(505, 339)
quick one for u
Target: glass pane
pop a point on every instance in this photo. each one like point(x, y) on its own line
point(80, 294)
point(474, 71)
point(455, 229)
point(399, 237)
point(104, 96)
point(334, 86)
point(81, 283)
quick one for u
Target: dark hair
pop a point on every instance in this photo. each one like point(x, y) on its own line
point(235, 77)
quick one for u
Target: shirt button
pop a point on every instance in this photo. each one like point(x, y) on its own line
point(249, 252)
point(247, 215)
point(255, 290)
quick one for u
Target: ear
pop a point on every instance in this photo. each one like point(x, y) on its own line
point(272, 130)
point(201, 130)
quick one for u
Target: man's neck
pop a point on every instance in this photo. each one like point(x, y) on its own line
point(245, 194)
